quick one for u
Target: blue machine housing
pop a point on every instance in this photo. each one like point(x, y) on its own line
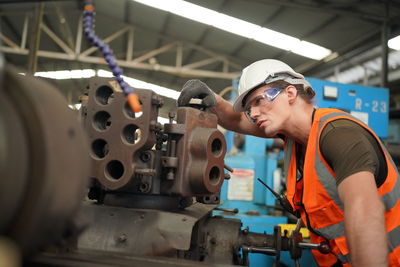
point(369, 104)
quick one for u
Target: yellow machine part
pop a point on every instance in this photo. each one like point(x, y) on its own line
point(290, 227)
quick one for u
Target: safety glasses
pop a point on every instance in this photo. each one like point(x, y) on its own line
point(267, 96)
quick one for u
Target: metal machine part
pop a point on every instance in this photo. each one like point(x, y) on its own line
point(201, 149)
point(140, 231)
point(118, 135)
point(190, 234)
point(137, 162)
point(43, 162)
point(159, 173)
point(145, 178)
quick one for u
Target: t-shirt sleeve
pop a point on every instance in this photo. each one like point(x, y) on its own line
point(348, 151)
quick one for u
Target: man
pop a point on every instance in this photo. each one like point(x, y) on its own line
point(340, 178)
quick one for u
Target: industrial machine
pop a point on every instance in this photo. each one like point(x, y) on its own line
point(164, 181)
point(151, 192)
point(44, 166)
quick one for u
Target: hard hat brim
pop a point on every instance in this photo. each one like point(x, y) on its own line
point(238, 104)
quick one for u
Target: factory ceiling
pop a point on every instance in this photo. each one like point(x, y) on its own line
point(166, 49)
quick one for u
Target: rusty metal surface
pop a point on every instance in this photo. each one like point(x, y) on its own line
point(140, 231)
point(52, 153)
point(14, 160)
point(188, 159)
point(118, 135)
point(201, 150)
point(216, 240)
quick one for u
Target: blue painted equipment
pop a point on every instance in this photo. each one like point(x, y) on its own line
point(367, 103)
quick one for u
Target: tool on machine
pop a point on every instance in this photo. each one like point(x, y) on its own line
point(234, 211)
point(281, 198)
point(88, 29)
point(294, 243)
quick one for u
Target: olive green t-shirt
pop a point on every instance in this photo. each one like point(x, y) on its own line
point(348, 148)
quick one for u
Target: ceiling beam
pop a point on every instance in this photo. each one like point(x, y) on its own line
point(369, 17)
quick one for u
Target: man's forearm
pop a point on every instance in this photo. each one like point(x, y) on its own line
point(234, 121)
point(366, 234)
point(364, 221)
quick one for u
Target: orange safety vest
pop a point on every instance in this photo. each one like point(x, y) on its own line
point(316, 196)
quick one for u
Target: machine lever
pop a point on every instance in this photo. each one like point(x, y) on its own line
point(262, 250)
point(235, 211)
point(228, 168)
point(281, 198)
point(322, 247)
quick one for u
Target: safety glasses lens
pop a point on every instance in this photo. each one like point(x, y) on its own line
point(269, 94)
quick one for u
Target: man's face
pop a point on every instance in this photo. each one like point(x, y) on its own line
point(266, 107)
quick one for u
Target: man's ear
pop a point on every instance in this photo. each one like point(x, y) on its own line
point(291, 92)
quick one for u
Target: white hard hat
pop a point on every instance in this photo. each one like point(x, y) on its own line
point(264, 72)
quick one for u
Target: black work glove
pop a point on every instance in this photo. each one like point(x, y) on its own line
point(196, 89)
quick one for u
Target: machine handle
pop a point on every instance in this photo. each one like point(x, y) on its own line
point(322, 247)
point(235, 211)
point(262, 250)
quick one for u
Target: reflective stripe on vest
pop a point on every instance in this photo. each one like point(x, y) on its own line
point(332, 231)
point(394, 238)
point(390, 199)
point(344, 258)
point(324, 177)
point(286, 157)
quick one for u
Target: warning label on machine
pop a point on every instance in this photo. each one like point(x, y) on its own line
point(240, 186)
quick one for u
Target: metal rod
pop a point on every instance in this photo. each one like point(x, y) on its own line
point(385, 49)
point(106, 40)
point(155, 52)
point(8, 41)
point(78, 42)
point(236, 210)
point(228, 168)
point(262, 250)
point(57, 39)
point(33, 51)
point(124, 63)
point(179, 55)
point(129, 46)
point(24, 32)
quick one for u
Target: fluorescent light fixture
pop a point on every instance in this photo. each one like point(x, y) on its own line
point(167, 92)
point(88, 73)
point(67, 74)
point(311, 50)
point(276, 39)
point(394, 43)
point(104, 74)
point(239, 27)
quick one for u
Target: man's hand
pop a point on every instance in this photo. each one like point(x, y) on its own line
point(196, 89)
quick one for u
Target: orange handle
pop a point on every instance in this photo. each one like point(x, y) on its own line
point(134, 102)
point(89, 7)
